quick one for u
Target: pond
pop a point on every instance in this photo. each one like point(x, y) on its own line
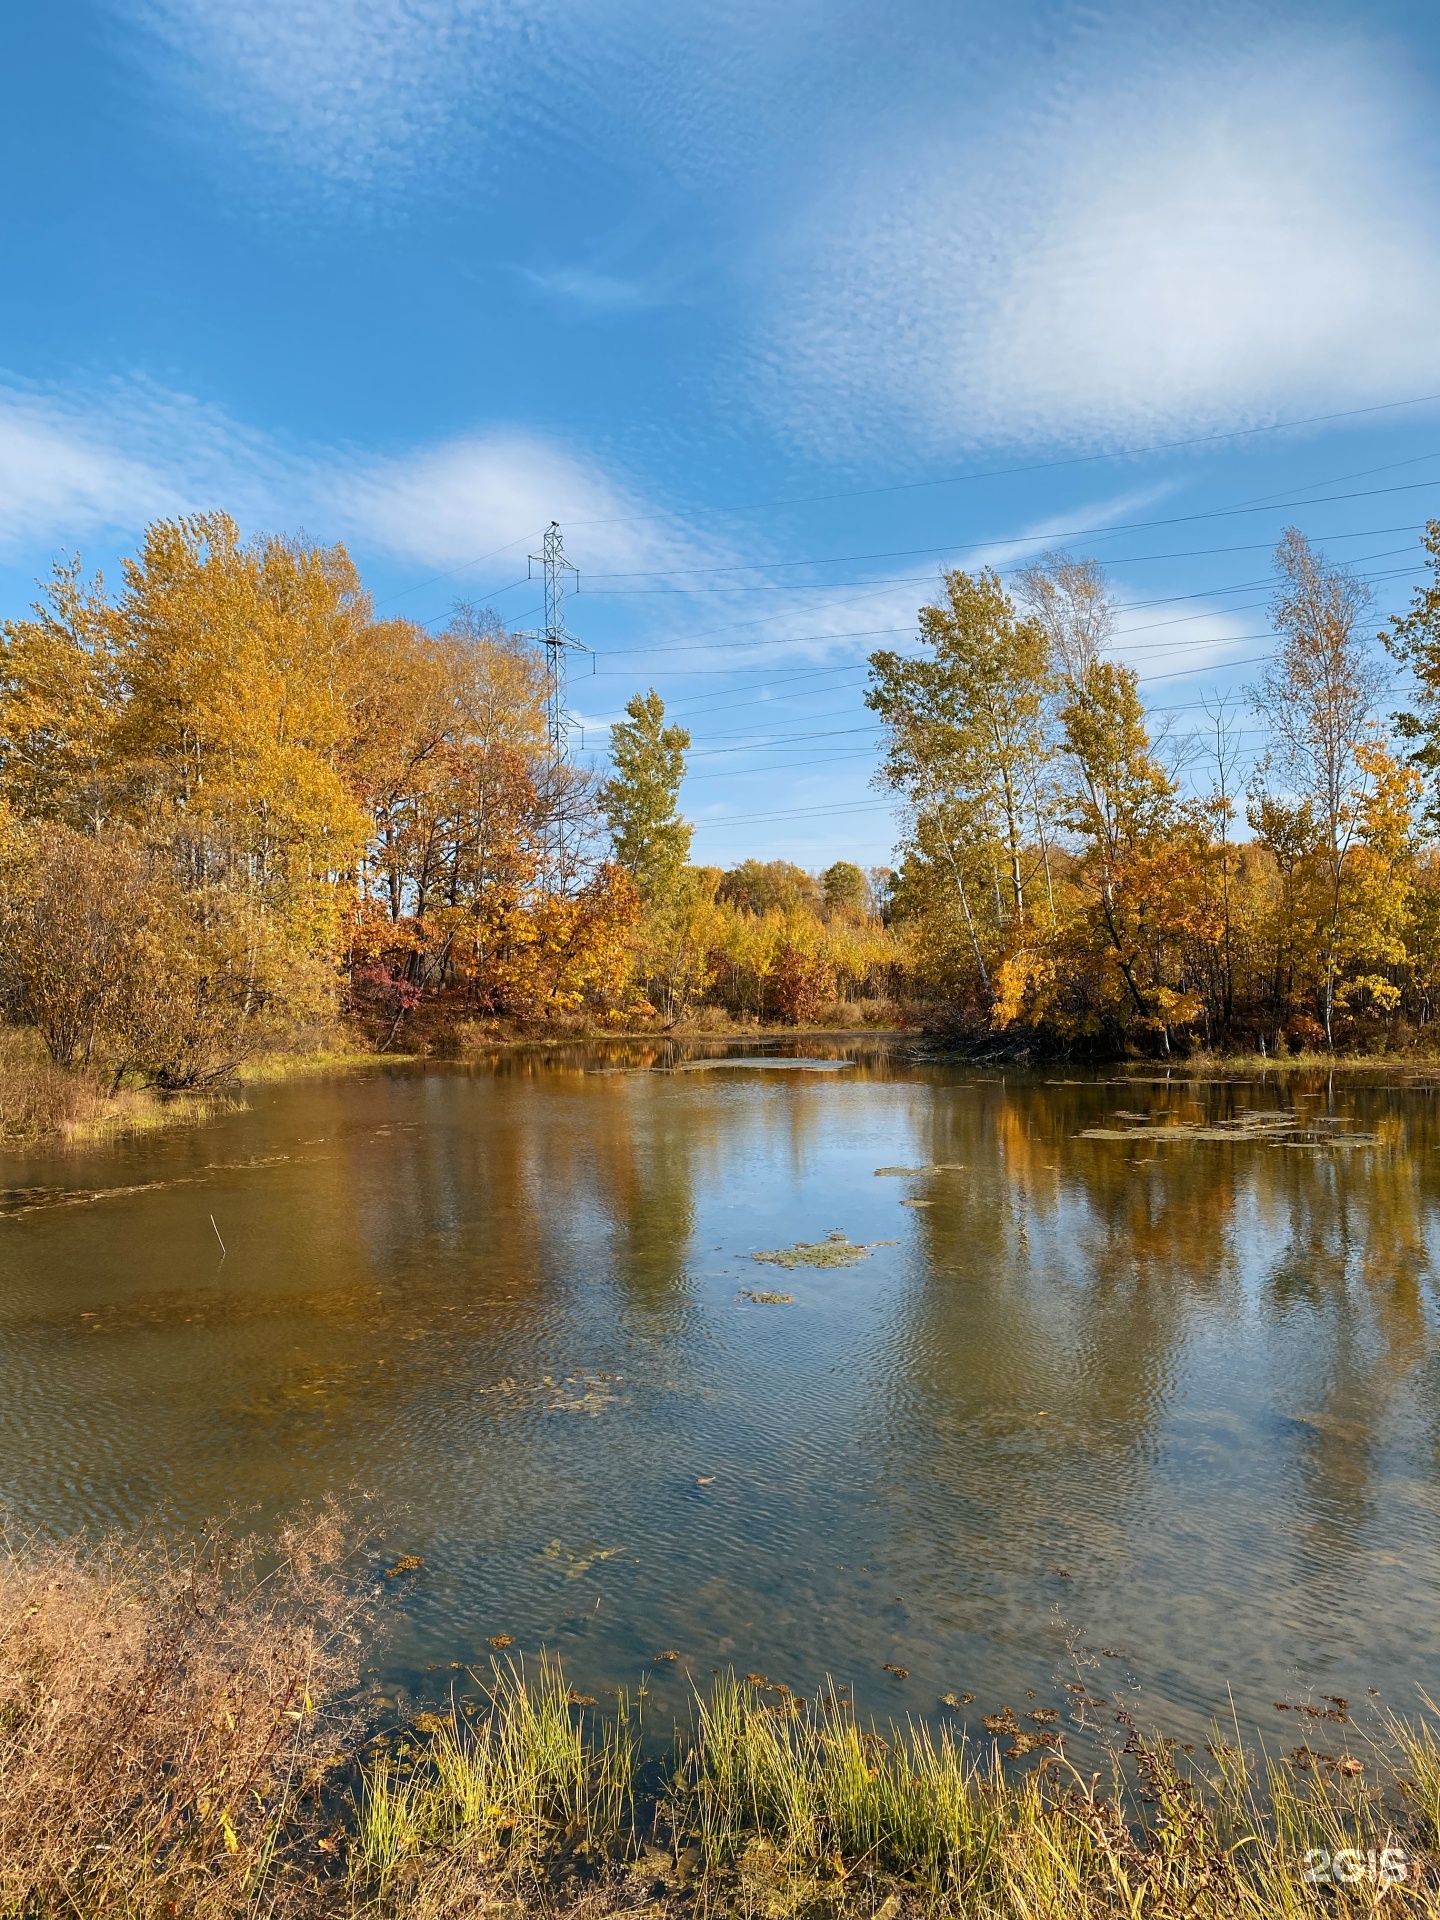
point(1140, 1372)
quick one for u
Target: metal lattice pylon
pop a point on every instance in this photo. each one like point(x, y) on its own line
point(558, 644)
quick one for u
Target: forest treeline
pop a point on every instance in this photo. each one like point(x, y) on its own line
point(237, 808)
point(1070, 877)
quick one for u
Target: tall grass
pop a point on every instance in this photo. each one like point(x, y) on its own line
point(42, 1102)
point(772, 1808)
point(527, 1778)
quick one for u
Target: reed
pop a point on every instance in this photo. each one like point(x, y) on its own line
point(773, 1808)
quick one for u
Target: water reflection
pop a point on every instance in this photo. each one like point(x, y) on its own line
point(1177, 1390)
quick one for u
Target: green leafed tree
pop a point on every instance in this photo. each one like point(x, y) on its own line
point(846, 888)
point(965, 741)
point(1413, 638)
point(640, 798)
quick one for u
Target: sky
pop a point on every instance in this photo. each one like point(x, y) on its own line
point(777, 310)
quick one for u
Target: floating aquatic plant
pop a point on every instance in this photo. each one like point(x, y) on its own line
point(834, 1251)
point(1269, 1127)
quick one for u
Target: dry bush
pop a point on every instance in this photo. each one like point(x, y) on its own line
point(37, 1097)
point(40, 1101)
point(162, 1714)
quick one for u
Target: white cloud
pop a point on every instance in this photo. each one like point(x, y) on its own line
point(83, 465)
point(447, 503)
point(1174, 251)
point(355, 90)
point(51, 477)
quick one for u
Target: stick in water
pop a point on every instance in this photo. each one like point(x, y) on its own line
point(223, 1248)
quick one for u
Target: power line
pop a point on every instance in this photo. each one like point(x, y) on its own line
point(695, 642)
point(790, 813)
point(1037, 466)
point(1049, 538)
point(994, 473)
point(1267, 503)
point(464, 567)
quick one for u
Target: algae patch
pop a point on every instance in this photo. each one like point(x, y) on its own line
point(1268, 1128)
point(834, 1251)
point(576, 1565)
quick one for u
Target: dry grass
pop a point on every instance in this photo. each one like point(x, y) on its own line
point(37, 1098)
point(161, 1718)
point(42, 1102)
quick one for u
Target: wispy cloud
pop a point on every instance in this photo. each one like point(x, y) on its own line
point(1172, 249)
point(937, 230)
point(82, 465)
point(345, 88)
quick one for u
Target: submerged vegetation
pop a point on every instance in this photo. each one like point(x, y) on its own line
point(833, 1251)
point(240, 815)
point(175, 1739)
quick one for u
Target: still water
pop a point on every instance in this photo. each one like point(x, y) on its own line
point(1174, 1402)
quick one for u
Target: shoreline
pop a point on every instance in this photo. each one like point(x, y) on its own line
point(164, 1757)
point(70, 1112)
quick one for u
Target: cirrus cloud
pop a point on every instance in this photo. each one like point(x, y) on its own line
point(1168, 252)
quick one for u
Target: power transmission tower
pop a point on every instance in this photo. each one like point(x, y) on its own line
point(558, 644)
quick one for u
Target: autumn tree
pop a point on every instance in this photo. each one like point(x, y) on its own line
point(1072, 604)
point(1140, 851)
point(965, 740)
point(1318, 697)
point(60, 694)
point(765, 886)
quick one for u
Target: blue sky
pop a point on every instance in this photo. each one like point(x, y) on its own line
point(778, 309)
